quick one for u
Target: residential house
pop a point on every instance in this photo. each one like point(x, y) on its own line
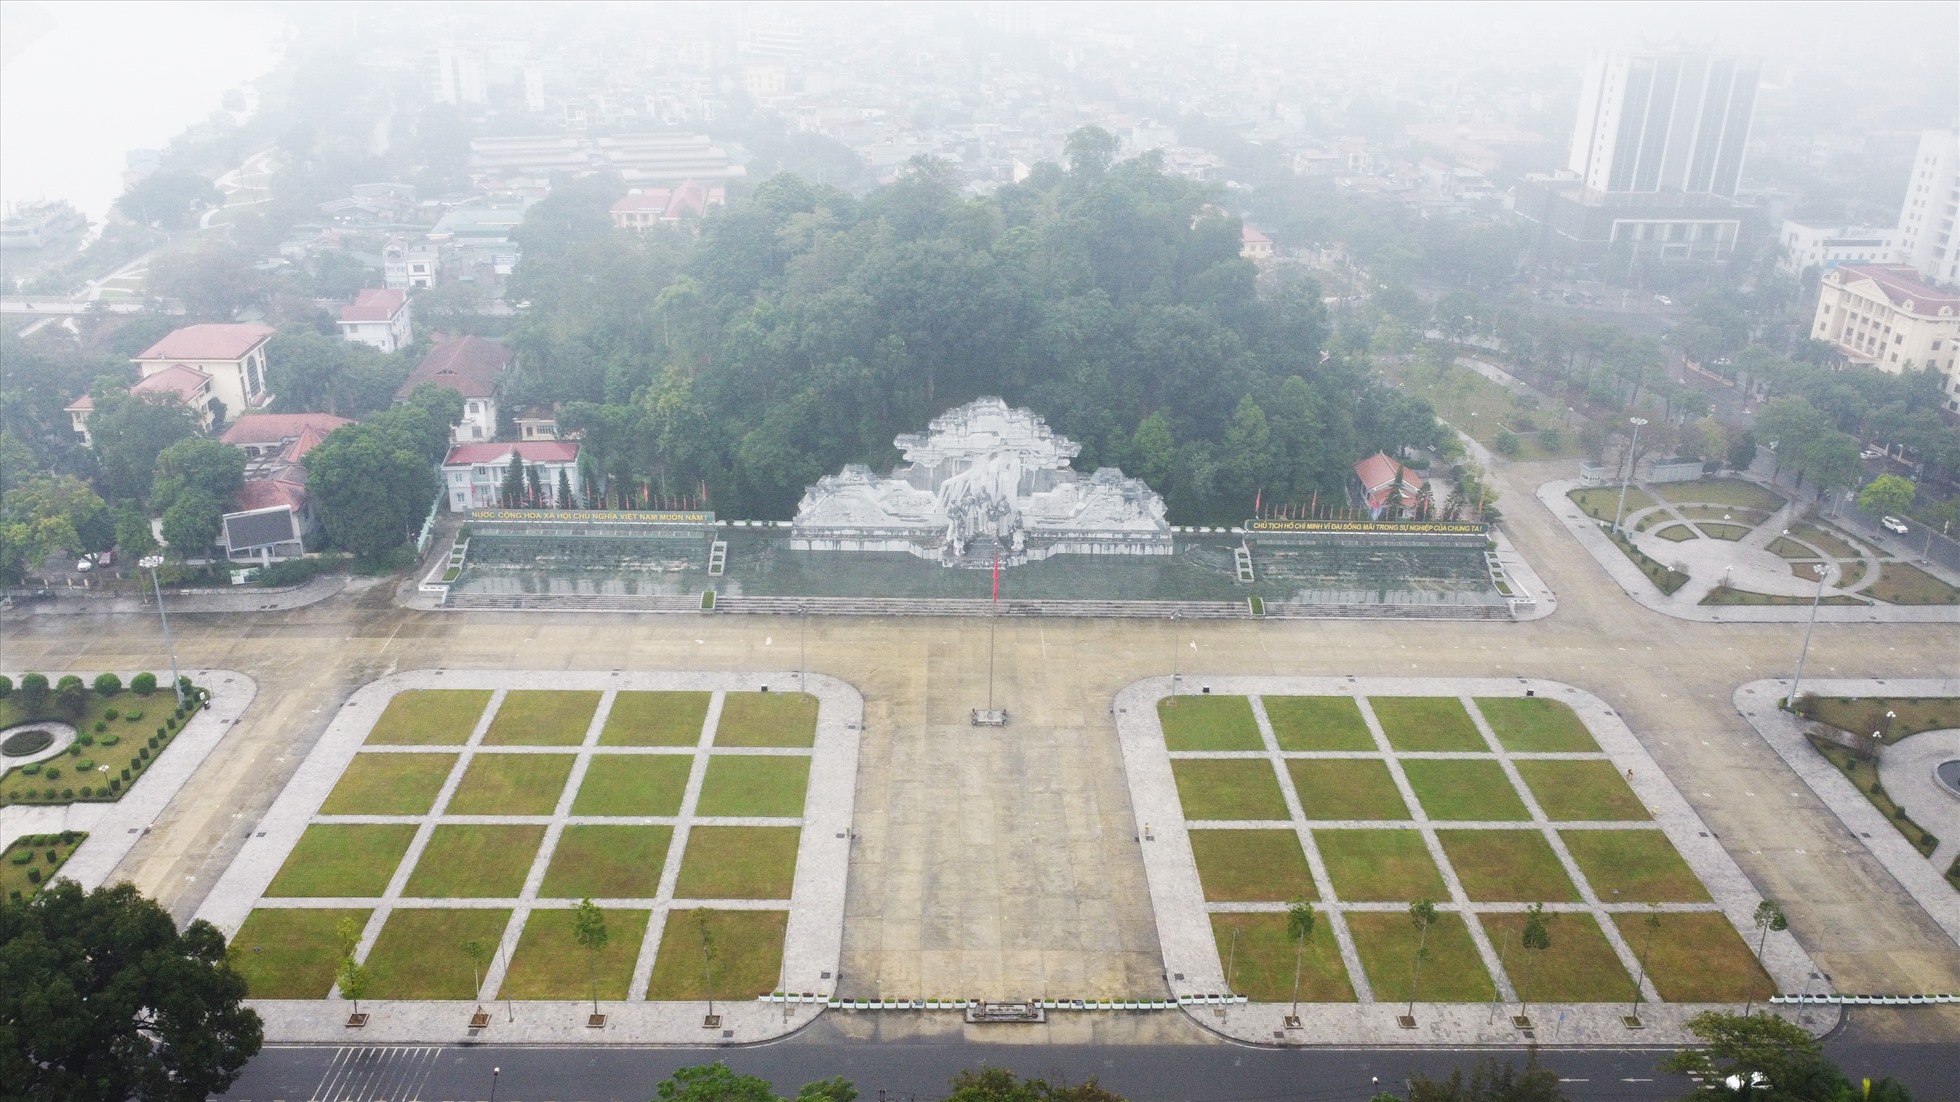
point(378, 318)
point(473, 474)
point(1254, 246)
point(285, 436)
point(272, 516)
point(472, 367)
point(231, 356)
point(644, 207)
point(537, 423)
point(409, 265)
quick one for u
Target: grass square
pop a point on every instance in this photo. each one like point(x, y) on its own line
point(1252, 866)
point(767, 719)
point(1696, 957)
point(475, 861)
point(1579, 967)
point(550, 964)
point(743, 785)
point(1535, 725)
point(430, 717)
point(738, 862)
point(1426, 723)
point(1209, 723)
point(1228, 788)
point(655, 719)
point(1379, 865)
point(419, 954)
point(1261, 957)
point(354, 860)
point(1346, 788)
point(1582, 791)
point(1641, 865)
point(607, 862)
point(1460, 789)
point(1318, 723)
point(748, 955)
point(291, 952)
point(1386, 942)
point(542, 717)
point(389, 784)
point(633, 784)
point(1507, 866)
point(511, 784)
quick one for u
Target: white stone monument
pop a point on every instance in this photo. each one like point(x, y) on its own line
point(985, 482)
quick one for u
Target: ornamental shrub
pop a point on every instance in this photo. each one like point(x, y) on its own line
point(155, 737)
point(71, 697)
point(33, 876)
point(23, 857)
point(108, 684)
point(6, 686)
point(75, 749)
point(143, 684)
point(67, 793)
point(171, 723)
point(87, 792)
point(125, 774)
point(33, 692)
point(146, 753)
point(132, 717)
point(84, 765)
point(109, 740)
point(111, 713)
point(68, 680)
point(115, 785)
point(53, 773)
point(67, 837)
point(54, 857)
point(30, 770)
point(100, 726)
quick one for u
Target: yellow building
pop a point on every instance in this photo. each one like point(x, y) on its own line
point(1884, 316)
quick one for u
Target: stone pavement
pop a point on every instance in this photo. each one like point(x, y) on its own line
point(816, 903)
point(1757, 702)
point(1906, 770)
point(1756, 569)
point(114, 828)
point(244, 598)
point(1191, 957)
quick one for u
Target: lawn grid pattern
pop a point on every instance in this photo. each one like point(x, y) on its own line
point(653, 909)
point(1607, 915)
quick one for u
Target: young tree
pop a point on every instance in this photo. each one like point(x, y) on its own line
point(353, 979)
point(1537, 938)
point(106, 998)
point(708, 950)
point(511, 494)
point(478, 953)
point(1299, 927)
point(1888, 493)
point(1423, 914)
point(1768, 918)
point(565, 499)
point(589, 927)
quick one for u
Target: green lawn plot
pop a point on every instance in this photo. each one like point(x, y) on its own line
point(1791, 549)
point(1346, 788)
point(1641, 866)
point(542, 717)
point(1507, 866)
point(1484, 410)
point(1460, 789)
point(1228, 788)
point(1678, 533)
point(738, 862)
point(1426, 723)
point(1386, 942)
point(1261, 955)
point(1578, 967)
point(550, 963)
point(747, 960)
point(291, 952)
point(1582, 791)
point(1735, 513)
point(1318, 723)
point(1850, 572)
point(1730, 532)
point(1863, 776)
point(1379, 865)
point(738, 784)
point(1252, 866)
point(389, 784)
point(419, 954)
point(352, 860)
point(1863, 715)
point(655, 719)
point(511, 784)
point(1535, 725)
point(1722, 595)
point(46, 853)
point(475, 861)
point(1827, 541)
point(767, 719)
point(1696, 957)
point(1900, 584)
point(1208, 723)
point(430, 717)
point(603, 861)
point(633, 784)
point(1602, 500)
point(1719, 491)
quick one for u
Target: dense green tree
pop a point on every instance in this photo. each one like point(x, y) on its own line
point(1888, 493)
point(130, 432)
point(192, 522)
point(371, 484)
point(1490, 1081)
point(46, 515)
point(169, 198)
point(196, 463)
point(1001, 1085)
point(713, 1083)
point(105, 998)
point(213, 282)
point(1784, 1062)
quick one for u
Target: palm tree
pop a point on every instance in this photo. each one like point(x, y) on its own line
point(1537, 937)
point(1423, 914)
point(1299, 927)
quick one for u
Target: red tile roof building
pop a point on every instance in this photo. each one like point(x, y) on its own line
point(232, 355)
point(1885, 316)
point(472, 367)
point(379, 318)
point(473, 474)
point(1377, 476)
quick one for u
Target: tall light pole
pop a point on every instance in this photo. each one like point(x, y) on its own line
point(150, 563)
point(803, 649)
point(1632, 455)
point(1818, 569)
point(1174, 618)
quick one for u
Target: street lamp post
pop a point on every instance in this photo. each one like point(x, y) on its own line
point(803, 649)
point(1818, 569)
point(150, 563)
point(1625, 480)
point(1174, 618)
point(495, 1074)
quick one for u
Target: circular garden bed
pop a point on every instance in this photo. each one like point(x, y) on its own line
point(26, 742)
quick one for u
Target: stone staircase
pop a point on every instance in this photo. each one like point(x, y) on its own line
point(572, 602)
point(965, 607)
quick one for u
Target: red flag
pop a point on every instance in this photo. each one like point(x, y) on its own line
point(996, 578)
point(1255, 500)
point(1316, 501)
point(704, 491)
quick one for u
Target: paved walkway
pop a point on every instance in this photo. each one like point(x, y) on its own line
point(813, 941)
point(1906, 770)
point(244, 598)
point(1755, 569)
point(1757, 701)
point(1183, 915)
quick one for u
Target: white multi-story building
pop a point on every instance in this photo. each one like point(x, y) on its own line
point(1807, 245)
point(1927, 235)
point(473, 474)
point(460, 77)
point(378, 318)
point(1664, 122)
point(1884, 316)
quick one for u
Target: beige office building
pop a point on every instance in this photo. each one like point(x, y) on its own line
point(1884, 316)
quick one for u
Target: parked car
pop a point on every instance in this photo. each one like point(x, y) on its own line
point(1893, 525)
point(83, 566)
point(1872, 453)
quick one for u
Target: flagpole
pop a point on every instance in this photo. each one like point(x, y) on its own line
point(993, 621)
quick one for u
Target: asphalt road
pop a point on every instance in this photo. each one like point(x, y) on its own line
point(1221, 1073)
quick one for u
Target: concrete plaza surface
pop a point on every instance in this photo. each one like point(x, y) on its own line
point(1002, 863)
point(816, 903)
point(1183, 914)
